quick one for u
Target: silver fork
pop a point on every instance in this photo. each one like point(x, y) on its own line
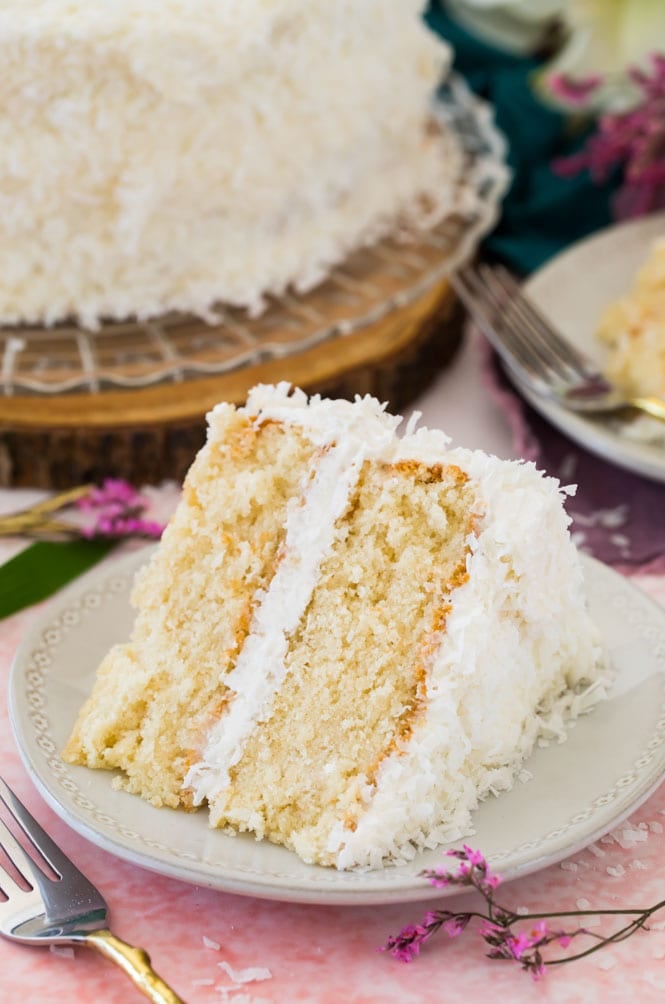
point(535, 350)
point(47, 901)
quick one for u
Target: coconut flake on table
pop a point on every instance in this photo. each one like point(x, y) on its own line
point(252, 974)
point(627, 836)
point(234, 996)
point(63, 951)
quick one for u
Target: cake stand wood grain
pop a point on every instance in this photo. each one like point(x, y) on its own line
point(152, 433)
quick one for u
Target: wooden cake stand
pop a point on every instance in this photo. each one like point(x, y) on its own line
point(150, 428)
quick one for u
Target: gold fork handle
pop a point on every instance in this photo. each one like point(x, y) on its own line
point(651, 405)
point(135, 962)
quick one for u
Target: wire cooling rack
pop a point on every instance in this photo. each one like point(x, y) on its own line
point(375, 280)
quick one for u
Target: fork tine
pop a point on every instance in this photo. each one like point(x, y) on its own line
point(49, 851)
point(483, 307)
point(518, 332)
point(548, 337)
point(46, 882)
point(544, 356)
point(23, 864)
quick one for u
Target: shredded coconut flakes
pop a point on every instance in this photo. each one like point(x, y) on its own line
point(253, 974)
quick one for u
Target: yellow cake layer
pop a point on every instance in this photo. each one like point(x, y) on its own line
point(155, 697)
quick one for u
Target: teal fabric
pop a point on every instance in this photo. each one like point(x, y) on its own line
point(542, 213)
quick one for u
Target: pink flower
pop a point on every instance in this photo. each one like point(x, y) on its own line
point(105, 525)
point(405, 952)
point(474, 858)
point(113, 492)
point(439, 878)
point(573, 92)
point(540, 931)
point(407, 944)
point(492, 881)
point(472, 870)
point(120, 512)
point(518, 944)
point(633, 143)
point(456, 925)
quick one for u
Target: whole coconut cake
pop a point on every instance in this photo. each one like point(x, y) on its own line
point(164, 155)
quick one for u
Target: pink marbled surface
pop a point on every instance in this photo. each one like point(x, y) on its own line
point(329, 954)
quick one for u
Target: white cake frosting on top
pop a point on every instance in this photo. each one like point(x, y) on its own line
point(169, 154)
point(514, 662)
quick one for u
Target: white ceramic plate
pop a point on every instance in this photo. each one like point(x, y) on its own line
point(611, 762)
point(572, 290)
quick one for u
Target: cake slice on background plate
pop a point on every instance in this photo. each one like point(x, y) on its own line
point(346, 638)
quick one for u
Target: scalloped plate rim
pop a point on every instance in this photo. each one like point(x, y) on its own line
point(313, 884)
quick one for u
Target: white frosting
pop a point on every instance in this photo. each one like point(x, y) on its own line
point(169, 154)
point(364, 422)
point(518, 637)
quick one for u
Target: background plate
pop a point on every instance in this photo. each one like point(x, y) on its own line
point(610, 763)
point(572, 291)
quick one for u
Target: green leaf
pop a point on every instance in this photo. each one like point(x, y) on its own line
point(43, 568)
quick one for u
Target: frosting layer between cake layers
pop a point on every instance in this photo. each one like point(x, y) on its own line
point(168, 154)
